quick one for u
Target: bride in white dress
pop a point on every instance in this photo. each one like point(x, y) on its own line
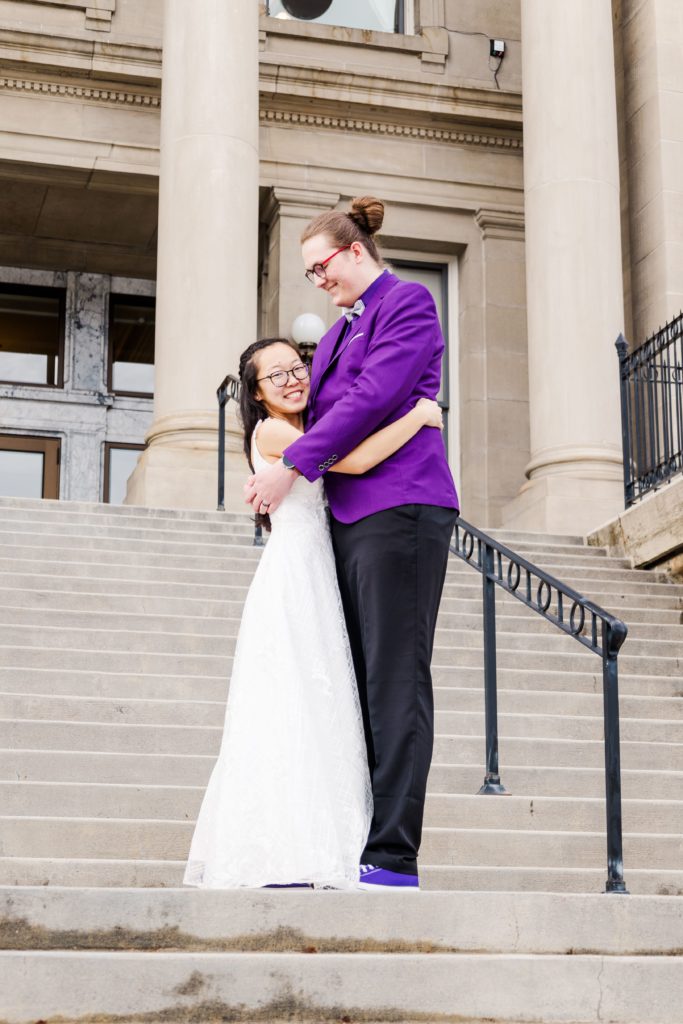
point(289, 798)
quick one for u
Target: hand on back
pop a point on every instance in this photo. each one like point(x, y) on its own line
point(431, 410)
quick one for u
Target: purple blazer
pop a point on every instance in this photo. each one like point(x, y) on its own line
point(391, 356)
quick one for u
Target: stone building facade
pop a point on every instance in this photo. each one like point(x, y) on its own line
point(543, 229)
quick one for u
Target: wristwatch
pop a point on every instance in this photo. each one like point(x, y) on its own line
point(287, 463)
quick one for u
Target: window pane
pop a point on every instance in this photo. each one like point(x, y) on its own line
point(122, 462)
point(379, 15)
point(131, 336)
point(21, 474)
point(30, 336)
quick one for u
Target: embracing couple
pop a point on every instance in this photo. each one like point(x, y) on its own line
point(329, 726)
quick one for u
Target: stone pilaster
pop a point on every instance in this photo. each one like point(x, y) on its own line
point(207, 254)
point(285, 291)
point(573, 259)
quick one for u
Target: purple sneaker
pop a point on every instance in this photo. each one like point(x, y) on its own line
point(374, 878)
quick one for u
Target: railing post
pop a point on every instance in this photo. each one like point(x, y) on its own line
point(492, 783)
point(622, 350)
point(222, 402)
point(611, 642)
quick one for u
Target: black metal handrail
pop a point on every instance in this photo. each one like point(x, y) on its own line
point(587, 622)
point(229, 388)
point(651, 380)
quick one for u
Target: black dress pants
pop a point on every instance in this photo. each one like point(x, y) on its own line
point(391, 568)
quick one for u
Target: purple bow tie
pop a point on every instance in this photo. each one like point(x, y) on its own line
point(355, 310)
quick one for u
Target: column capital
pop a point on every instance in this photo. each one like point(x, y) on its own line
point(299, 202)
point(500, 223)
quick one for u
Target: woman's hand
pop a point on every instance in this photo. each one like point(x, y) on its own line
point(430, 412)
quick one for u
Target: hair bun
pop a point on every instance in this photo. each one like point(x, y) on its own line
point(368, 213)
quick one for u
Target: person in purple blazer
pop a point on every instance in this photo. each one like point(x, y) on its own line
point(391, 526)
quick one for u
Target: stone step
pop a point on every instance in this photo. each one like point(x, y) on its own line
point(575, 814)
point(192, 703)
point(192, 708)
point(143, 661)
point(331, 921)
point(61, 538)
point(470, 878)
point(453, 678)
point(610, 596)
point(169, 739)
point(63, 509)
point(36, 593)
point(100, 636)
point(241, 558)
point(217, 986)
point(87, 618)
point(145, 839)
point(458, 721)
point(445, 777)
point(100, 872)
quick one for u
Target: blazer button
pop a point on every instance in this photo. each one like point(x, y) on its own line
point(321, 468)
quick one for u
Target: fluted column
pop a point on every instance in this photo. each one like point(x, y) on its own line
point(207, 249)
point(574, 267)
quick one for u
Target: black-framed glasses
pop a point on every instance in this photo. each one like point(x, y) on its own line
point(280, 377)
point(318, 269)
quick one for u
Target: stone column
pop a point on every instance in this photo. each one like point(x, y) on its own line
point(574, 269)
point(208, 243)
point(286, 292)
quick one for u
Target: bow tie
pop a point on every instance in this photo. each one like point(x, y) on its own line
point(354, 310)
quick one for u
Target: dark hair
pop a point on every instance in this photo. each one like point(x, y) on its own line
point(359, 224)
point(253, 409)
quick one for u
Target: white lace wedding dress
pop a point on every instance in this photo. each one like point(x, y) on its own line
point(289, 798)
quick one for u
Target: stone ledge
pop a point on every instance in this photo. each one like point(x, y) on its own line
point(649, 533)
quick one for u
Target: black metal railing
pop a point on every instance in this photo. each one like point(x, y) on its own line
point(569, 611)
point(651, 380)
point(229, 388)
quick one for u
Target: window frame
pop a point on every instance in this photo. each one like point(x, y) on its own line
point(143, 300)
point(108, 446)
point(46, 291)
point(44, 445)
point(400, 20)
point(398, 262)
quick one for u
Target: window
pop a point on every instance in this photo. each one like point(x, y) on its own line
point(433, 276)
point(29, 466)
point(32, 335)
point(119, 462)
point(131, 345)
point(378, 15)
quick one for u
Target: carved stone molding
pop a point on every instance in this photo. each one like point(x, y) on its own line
point(98, 13)
point(92, 93)
point(296, 202)
point(459, 136)
point(508, 224)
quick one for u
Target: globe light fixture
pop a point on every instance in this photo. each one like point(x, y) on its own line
point(307, 330)
point(306, 10)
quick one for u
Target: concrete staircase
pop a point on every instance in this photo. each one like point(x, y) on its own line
point(117, 627)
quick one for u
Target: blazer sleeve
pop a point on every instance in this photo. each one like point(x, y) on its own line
point(405, 339)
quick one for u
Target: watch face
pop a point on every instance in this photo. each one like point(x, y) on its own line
point(307, 10)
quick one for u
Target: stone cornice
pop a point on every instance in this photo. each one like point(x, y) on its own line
point(86, 90)
point(462, 135)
